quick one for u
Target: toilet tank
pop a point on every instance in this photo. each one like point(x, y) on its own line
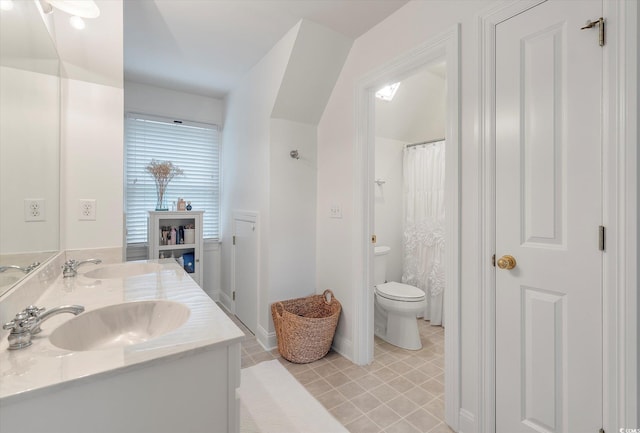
point(380, 264)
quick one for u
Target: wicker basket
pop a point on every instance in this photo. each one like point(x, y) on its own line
point(305, 326)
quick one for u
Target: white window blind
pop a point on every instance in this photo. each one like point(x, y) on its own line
point(194, 147)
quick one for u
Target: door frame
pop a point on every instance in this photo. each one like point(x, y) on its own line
point(620, 213)
point(444, 46)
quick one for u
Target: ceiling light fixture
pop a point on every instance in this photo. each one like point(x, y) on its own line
point(388, 92)
point(6, 5)
point(78, 9)
point(77, 22)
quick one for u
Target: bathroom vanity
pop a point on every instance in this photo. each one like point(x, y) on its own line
point(150, 353)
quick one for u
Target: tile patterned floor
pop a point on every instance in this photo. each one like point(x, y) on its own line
point(402, 391)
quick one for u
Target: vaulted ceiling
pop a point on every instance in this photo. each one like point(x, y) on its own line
point(206, 46)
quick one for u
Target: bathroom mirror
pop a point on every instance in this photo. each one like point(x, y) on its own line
point(29, 140)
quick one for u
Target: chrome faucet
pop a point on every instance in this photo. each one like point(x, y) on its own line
point(41, 314)
point(26, 269)
point(70, 268)
point(28, 321)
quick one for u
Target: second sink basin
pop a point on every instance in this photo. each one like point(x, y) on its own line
point(120, 325)
point(123, 270)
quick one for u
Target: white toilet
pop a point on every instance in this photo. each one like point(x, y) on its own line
point(396, 307)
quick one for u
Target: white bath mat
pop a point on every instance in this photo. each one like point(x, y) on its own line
point(273, 401)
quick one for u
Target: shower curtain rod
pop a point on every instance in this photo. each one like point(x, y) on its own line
point(424, 142)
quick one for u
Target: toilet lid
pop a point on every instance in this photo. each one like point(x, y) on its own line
point(399, 292)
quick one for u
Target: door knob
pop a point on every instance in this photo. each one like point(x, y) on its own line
point(507, 262)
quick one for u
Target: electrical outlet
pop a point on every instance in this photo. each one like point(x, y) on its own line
point(34, 209)
point(335, 211)
point(87, 210)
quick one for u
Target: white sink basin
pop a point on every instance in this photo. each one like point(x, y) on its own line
point(123, 270)
point(120, 325)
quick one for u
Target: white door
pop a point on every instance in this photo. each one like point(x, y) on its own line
point(245, 272)
point(548, 212)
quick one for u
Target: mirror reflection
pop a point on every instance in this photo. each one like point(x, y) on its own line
point(29, 142)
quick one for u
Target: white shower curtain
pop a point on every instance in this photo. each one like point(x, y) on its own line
point(423, 236)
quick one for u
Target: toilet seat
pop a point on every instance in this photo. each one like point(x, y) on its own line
point(400, 292)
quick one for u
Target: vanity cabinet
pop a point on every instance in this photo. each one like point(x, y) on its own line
point(177, 235)
point(185, 380)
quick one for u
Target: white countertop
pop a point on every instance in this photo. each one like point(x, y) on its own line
point(43, 367)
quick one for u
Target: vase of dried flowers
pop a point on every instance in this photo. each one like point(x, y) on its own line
point(162, 172)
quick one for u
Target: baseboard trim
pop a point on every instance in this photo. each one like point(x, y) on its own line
point(266, 339)
point(214, 294)
point(225, 300)
point(269, 341)
point(343, 346)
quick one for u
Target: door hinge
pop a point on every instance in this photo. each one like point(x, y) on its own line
point(600, 23)
point(601, 238)
point(374, 239)
point(234, 240)
point(493, 260)
point(601, 430)
point(233, 295)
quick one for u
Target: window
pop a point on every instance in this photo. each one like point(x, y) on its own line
point(194, 147)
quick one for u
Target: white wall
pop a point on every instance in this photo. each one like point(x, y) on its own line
point(274, 110)
point(29, 155)
point(92, 129)
point(388, 202)
point(292, 205)
point(246, 157)
point(338, 265)
point(146, 99)
point(91, 163)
